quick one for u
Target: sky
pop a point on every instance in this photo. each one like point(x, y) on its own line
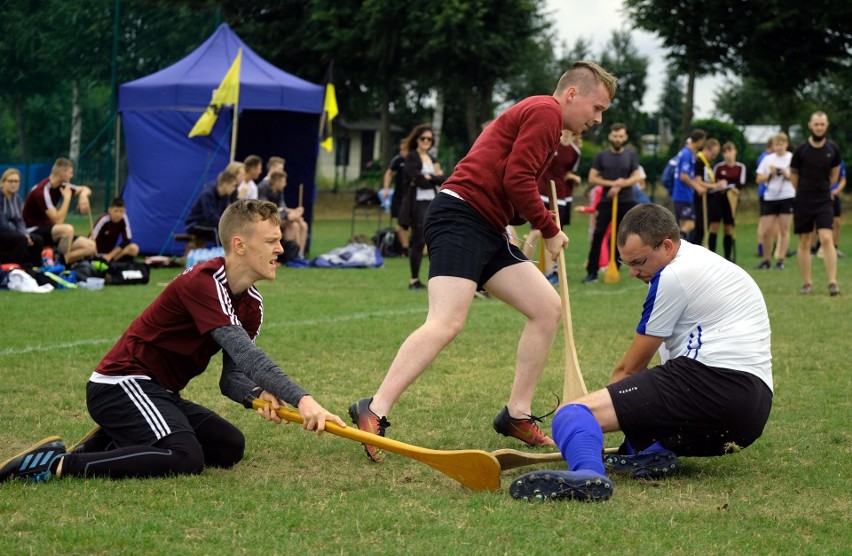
point(595, 20)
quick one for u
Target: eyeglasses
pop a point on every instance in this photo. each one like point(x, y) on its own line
point(637, 264)
point(425, 138)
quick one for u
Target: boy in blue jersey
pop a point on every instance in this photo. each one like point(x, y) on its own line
point(685, 184)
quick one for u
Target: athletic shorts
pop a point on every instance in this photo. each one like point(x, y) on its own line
point(462, 244)
point(564, 209)
point(808, 216)
point(46, 234)
point(692, 409)
point(684, 211)
point(836, 204)
point(141, 412)
point(719, 208)
point(776, 207)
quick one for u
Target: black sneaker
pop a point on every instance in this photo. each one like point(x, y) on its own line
point(523, 429)
point(367, 421)
point(416, 285)
point(33, 464)
point(590, 278)
point(765, 265)
point(96, 440)
point(561, 485)
point(655, 462)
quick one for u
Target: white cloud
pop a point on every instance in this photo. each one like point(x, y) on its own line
point(596, 20)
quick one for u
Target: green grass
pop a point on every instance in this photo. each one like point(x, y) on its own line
point(336, 332)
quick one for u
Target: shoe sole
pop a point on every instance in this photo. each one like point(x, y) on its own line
point(375, 454)
point(561, 485)
point(643, 466)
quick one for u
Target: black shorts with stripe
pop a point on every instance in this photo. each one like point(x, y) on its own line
point(140, 412)
point(692, 409)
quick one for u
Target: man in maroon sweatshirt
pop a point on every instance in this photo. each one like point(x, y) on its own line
point(469, 249)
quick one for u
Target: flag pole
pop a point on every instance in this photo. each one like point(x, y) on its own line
point(236, 119)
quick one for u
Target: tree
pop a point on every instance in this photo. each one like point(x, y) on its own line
point(622, 59)
point(670, 110)
point(700, 35)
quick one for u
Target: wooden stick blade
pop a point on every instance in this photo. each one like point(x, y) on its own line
point(511, 459)
point(475, 469)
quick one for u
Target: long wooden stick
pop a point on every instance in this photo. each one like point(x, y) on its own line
point(611, 275)
point(510, 459)
point(301, 192)
point(574, 385)
point(475, 469)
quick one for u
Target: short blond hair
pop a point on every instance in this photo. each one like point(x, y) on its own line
point(61, 164)
point(240, 215)
point(233, 169)
point(585, 76)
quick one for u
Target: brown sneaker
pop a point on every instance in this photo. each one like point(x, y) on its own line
point(522, 429)
point(367, 421)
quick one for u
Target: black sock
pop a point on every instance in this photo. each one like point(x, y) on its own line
point(711, 241)
point(728, 242)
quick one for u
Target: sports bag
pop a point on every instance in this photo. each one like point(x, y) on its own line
point(121, 273)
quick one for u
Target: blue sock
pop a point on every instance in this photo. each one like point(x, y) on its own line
point(579, 437)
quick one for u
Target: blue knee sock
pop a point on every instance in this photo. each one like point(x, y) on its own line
point(579, 437)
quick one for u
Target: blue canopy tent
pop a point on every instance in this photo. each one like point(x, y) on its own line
point(279, 115)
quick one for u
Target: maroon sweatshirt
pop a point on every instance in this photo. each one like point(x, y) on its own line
point(498, 176)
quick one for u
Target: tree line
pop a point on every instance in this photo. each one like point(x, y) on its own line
point(455, 63)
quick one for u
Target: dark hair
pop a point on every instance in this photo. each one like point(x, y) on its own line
point(652, 223)
point(118, 202)
point(411, 139)
point(697, 135)
point(618, 126)
point(253, 161)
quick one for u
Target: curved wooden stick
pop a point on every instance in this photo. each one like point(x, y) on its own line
point(475, 469)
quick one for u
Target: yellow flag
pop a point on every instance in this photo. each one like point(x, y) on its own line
point(329, 112)
point(227, 93)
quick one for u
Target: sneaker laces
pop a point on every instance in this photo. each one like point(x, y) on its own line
point(534, 419)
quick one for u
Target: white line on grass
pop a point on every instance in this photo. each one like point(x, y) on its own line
point(280, 324)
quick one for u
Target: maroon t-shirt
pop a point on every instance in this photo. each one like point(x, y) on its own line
point(498, 177)
point(41, 198)
point(170, 341)
point(566, 159)
point(107, 233)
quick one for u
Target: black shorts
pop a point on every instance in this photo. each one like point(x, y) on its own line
point(46, 234)
point(684, 211)
point(776, 207)
point(462, 244)
point(719, 208)
point(139, 412)
point(564, 211)
point(692, 409)
point(809, 215)
point(836, 204)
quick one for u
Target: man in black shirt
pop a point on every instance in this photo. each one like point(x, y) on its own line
point(815, 166)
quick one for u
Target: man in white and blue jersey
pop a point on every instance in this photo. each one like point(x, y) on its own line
point(710, 395)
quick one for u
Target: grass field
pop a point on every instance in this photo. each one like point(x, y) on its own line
point(336, 332)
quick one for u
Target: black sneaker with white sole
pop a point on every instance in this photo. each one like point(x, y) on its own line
point(653, 463)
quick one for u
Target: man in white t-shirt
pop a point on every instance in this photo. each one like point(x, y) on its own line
point(776, 210)
point(254, 167)
point(711, 394)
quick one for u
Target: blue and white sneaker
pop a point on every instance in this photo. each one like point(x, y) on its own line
point(654, 462)
point(561, 485)
point(34, 463)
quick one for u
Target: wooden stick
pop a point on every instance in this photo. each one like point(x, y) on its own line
point(611, 275)
point(574, 385)
point(475, 469)
point(510, 459)
point(301, 192)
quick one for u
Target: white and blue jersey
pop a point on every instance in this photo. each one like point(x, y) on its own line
point(682, 193)
point(709, 309)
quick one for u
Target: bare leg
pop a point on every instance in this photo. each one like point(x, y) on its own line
point(63, 236)
point(80, 249)
point(803, 255)
point(524, 288)
point(829, 254)
point(449, 301)
point(784, 221)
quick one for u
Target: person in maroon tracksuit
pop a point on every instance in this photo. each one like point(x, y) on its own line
point(493, 186)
